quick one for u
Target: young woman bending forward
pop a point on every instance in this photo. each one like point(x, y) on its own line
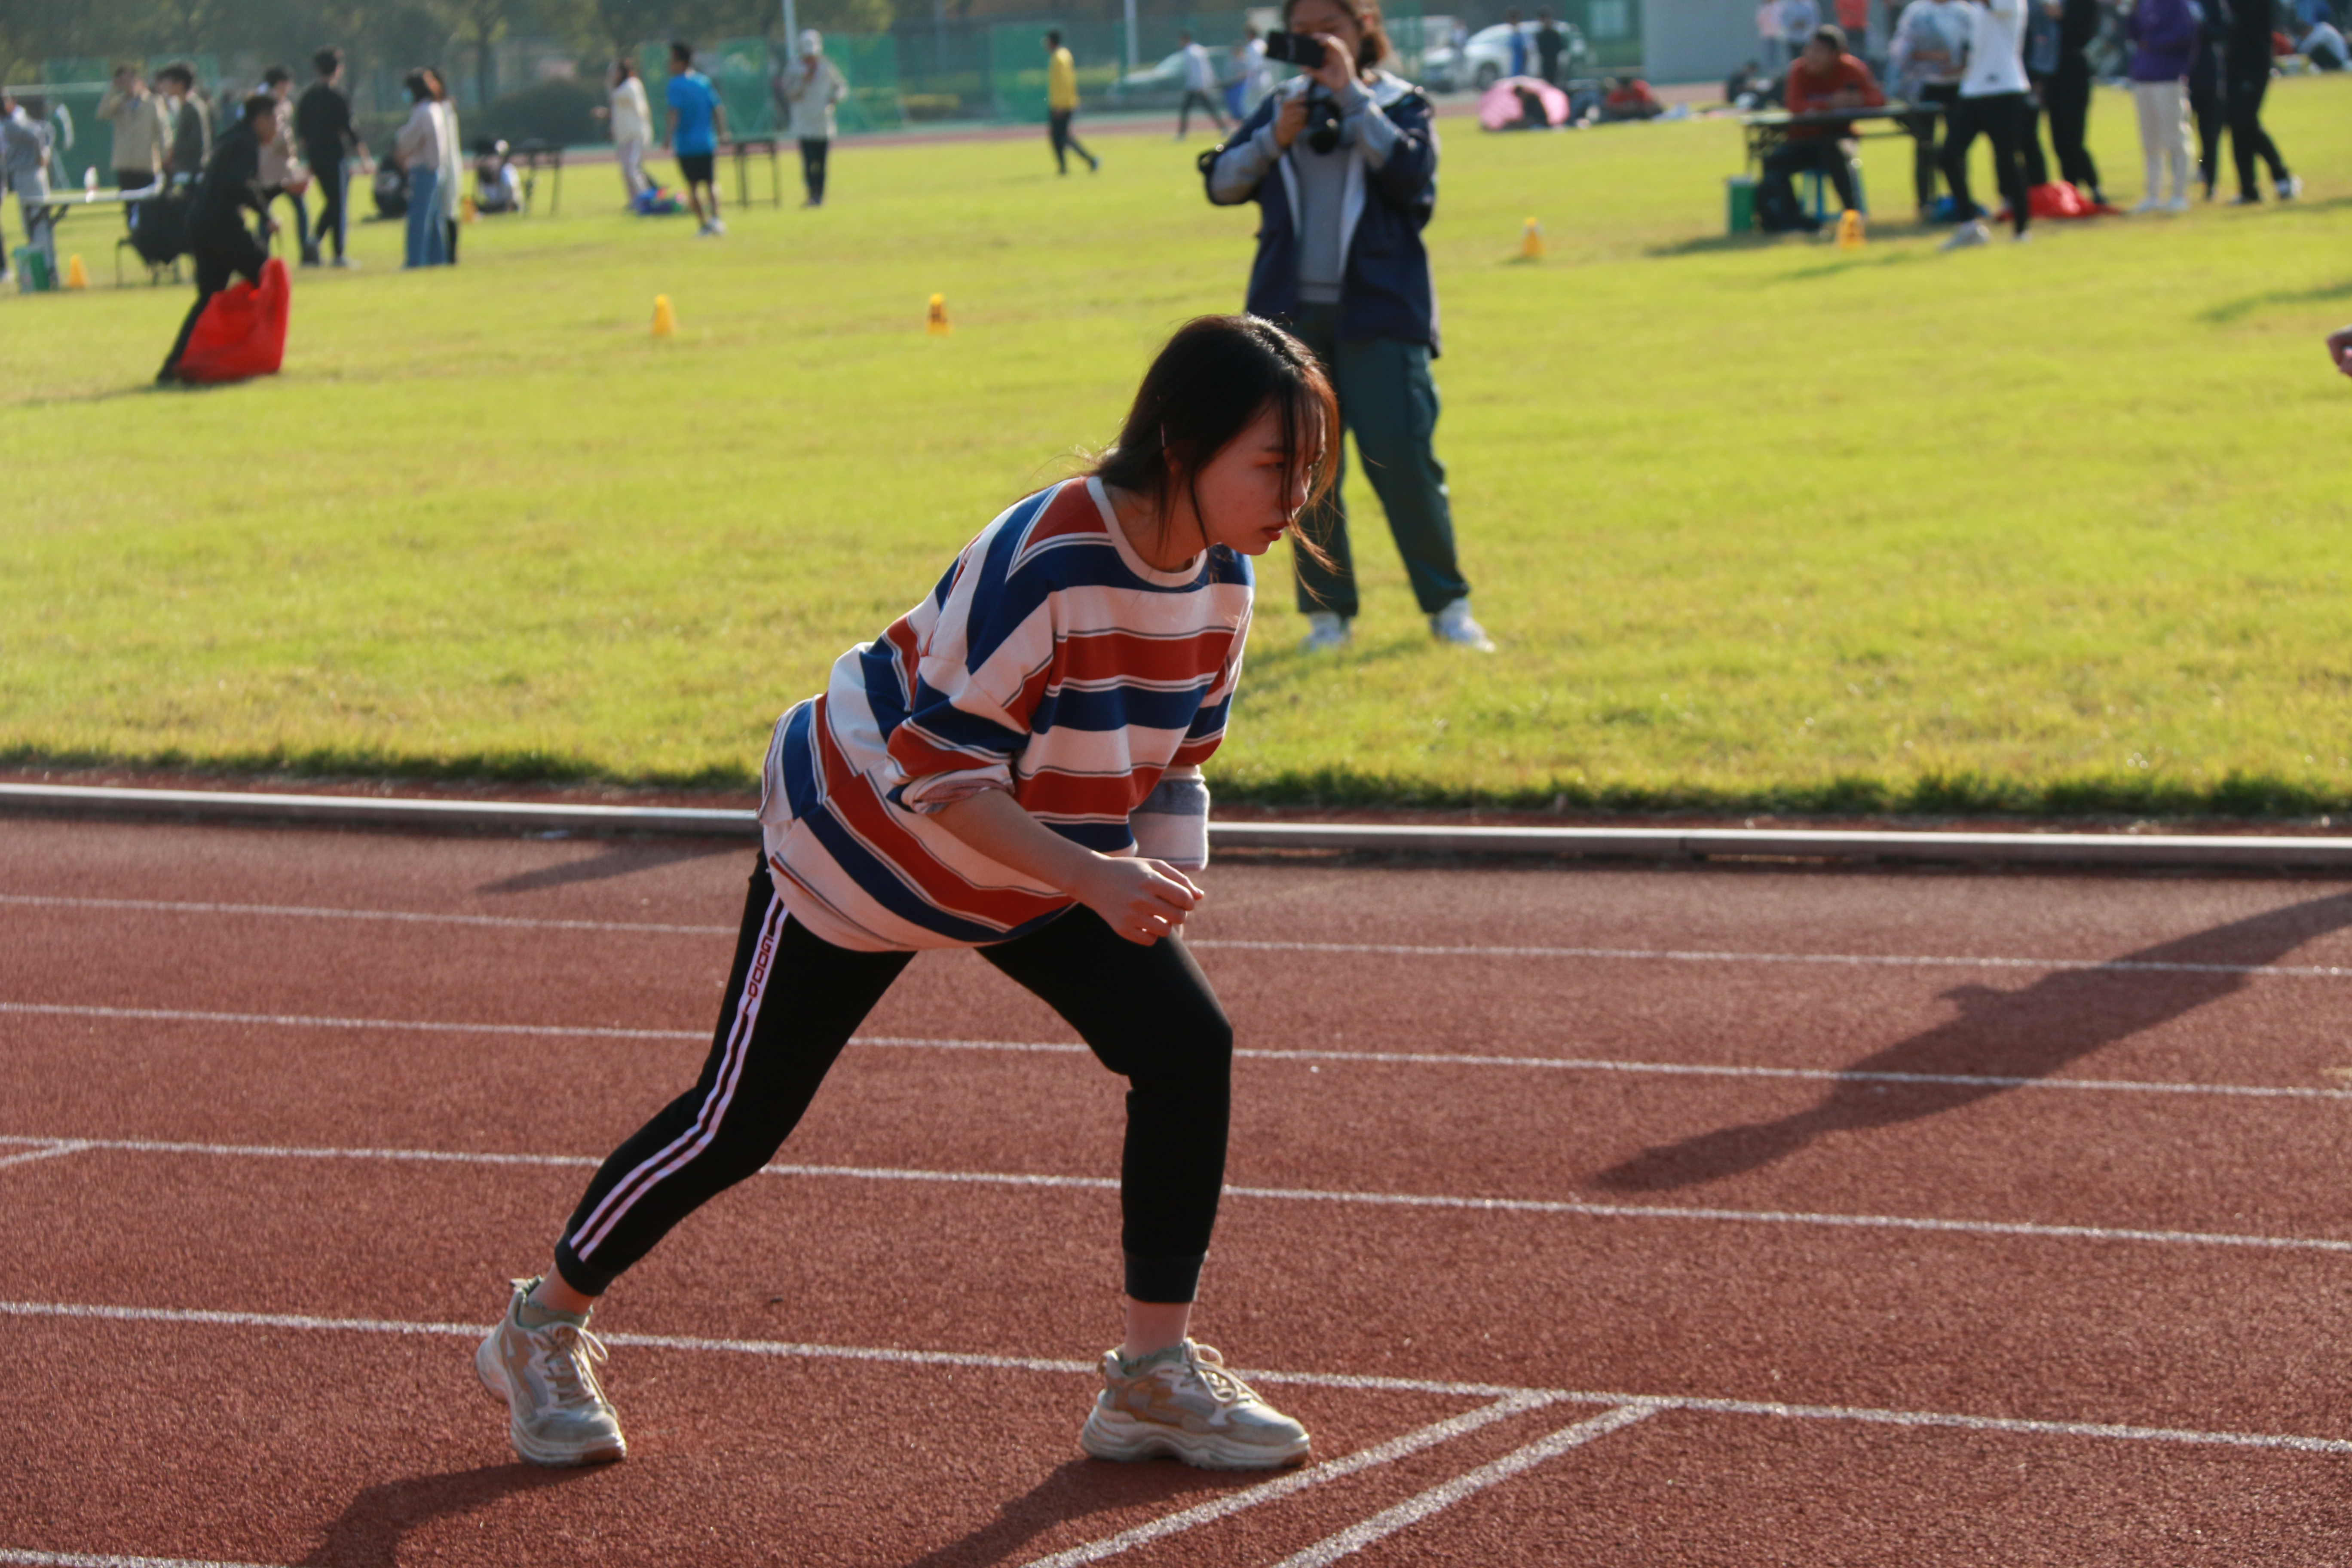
point(976, 776)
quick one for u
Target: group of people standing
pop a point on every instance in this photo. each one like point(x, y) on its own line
point(804, 89)
point(1994, 68)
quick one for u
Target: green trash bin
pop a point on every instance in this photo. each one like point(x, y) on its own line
point(1739, 203)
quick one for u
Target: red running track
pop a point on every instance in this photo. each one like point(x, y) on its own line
point(1611, 1216)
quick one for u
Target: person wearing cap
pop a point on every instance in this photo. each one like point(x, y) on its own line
point(810, 87)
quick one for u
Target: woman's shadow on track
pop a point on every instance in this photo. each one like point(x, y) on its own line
point(2030, 1034)
point(370, 1532)
point(1076, 1489)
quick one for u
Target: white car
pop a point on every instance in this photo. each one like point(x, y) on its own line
point(1486, 59)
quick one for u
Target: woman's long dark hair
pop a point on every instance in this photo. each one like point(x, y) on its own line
point(1210, 383)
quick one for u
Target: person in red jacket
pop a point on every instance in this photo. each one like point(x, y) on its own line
point(1824, 80)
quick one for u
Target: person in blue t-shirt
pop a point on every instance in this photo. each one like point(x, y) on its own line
point(698, 123)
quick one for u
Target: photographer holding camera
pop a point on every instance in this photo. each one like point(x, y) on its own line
point(1343, 163)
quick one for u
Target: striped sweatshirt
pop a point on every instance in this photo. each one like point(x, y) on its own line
point(1051, 661)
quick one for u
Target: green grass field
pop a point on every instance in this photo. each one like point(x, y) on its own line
point(2059, 527)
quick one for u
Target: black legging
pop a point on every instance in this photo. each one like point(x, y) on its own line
point(2067, 96)
point(2247, 139)
point(1148, 1012)
point(2037, 168)
point(2205, 105)
point(1058, 130)
point(1923, 131)
point(2003, 117)
point(219, 256)
point(1207, 102)
point(813, 152)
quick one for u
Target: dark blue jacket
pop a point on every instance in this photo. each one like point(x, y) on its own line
point(1385, 291)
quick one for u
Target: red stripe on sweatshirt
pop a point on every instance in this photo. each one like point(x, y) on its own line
point(855, 802)
point(1052, 794)
point(1125, 655)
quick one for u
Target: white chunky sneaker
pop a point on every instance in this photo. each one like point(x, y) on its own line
point(2290, 187)
point(1971, 233)
point(547, 1376)
point(1325, 632)
point(1181, 1404)
point(1454, 624)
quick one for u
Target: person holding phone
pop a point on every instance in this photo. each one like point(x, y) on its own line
point(1342, 161)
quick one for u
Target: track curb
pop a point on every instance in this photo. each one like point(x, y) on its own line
point(2218, 851)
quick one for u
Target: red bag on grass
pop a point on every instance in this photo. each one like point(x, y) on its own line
point(242, 332)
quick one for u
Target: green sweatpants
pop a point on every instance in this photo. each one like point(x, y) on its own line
point(1389, 405)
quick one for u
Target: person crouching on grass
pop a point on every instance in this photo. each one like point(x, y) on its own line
point(222, 246)
point(978, 776)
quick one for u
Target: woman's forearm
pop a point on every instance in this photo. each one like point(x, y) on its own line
point(994, 822)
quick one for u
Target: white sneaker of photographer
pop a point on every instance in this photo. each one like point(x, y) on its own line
point(1182, 1403)
point(546, 1373)
point(1325, 632)
point(1454, 624)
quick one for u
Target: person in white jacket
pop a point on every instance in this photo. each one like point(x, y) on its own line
point(631, 123)
point(808, 89)
point(452, 164)
point(1993, 101)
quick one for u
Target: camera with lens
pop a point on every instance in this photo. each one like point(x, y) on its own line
point(1322, 129)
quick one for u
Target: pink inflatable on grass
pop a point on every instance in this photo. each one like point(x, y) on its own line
point(1500, 108)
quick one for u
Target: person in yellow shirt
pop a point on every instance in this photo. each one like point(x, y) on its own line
point(1061, 103)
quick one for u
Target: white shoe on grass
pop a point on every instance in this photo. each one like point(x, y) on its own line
point(1971, 233)
point(718, 229)
point(1181, 1404)
point(1454, 624)
point(2290, 187)
point(546, 1373)
point(2177, 205)
point(1327, 631)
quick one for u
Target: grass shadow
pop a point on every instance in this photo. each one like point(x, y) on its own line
point(622, 860)
point(2238, 309)
point(2031, 1033)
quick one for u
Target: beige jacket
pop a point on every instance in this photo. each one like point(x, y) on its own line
point(142, 132)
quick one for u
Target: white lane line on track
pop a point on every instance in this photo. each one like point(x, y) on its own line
point(1566, 1206)
point(401, 917)
point(2012, 1426)
point(68, 1146)
point(91, 1559)
point(1438, 1499)
point(1381, 1058)
point(1235, 944)
point(1281, 1487)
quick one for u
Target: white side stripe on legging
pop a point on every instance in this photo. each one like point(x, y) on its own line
point(709, 1116)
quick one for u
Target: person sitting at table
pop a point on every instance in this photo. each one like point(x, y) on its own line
point(1824, 80)
point(1630, 97)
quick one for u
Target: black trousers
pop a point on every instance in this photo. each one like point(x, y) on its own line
point(2247, 139)
point(1922, 128)
point(2067, 96)
point(1207, 102)
point(219, 258)
point(132, 180)
point(2003, 119)
point(2205, 106)
point(449, 233)
point(2037, 167)
point(813, 152)
point(1058, 130)
point(332, 184)
point(1776, 195)
point(792, 1004)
